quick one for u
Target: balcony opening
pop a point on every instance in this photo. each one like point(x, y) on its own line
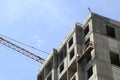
point(87, 42)
point(110, 31)
point(70, 42)
point(86, 30)
point(88, 58)
point(41, 76)
point(64, 76)
point(62, 54)
point(90, 72)
point(72, 54)
point(114, 58)
point(49, 77)
point(61, 67)
point(49, 66)
point(74, 78)
point(72, 71)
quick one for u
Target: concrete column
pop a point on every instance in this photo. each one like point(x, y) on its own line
point(80, 72)
point(55, 65)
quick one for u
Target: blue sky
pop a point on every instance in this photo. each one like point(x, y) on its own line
point(42, 24)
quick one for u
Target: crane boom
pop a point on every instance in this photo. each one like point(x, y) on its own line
point(21, 50)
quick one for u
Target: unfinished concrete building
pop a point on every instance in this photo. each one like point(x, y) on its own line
point(90, 51)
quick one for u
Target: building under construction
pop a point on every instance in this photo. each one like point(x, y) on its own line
point(90, 51)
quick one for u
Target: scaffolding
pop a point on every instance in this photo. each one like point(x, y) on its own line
point(89, 46)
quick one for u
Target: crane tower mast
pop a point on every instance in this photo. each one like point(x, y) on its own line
point(21, 50)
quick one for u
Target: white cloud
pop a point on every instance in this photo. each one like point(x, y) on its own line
point(37, 40)
point(40, 41)
point(36, 36)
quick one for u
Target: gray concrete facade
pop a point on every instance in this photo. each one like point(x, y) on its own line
point(90, 51)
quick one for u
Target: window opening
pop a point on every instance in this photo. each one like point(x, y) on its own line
point(87, 42)
point(62, 53)
point(70, 42)
point(86, 30)
point(114, 59)
point(110, 31)
point(49, 77)
point(90, 72)
point(88, 58)
point(74, 78)
point(61, 67)
point(71, 54)
point(62, 56)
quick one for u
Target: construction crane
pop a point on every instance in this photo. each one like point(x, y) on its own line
point(21, 50)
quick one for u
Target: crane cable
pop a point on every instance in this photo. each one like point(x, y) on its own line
point(25, 44)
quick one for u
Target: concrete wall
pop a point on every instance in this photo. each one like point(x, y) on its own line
point(103, 45)
point(99, 63)
point(116, 72)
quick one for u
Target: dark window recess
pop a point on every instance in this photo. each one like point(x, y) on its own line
point(86, 30)
point(61, 67)
point(90, 72)
point(62, 56)
point(74, 78)
point(70, 42)
point(41, 77)
point(87, 42)
point(88, 58)
point(71, 54)
point(62, 53)
point(110, 31)
point(49, 77)
point(114, 59)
